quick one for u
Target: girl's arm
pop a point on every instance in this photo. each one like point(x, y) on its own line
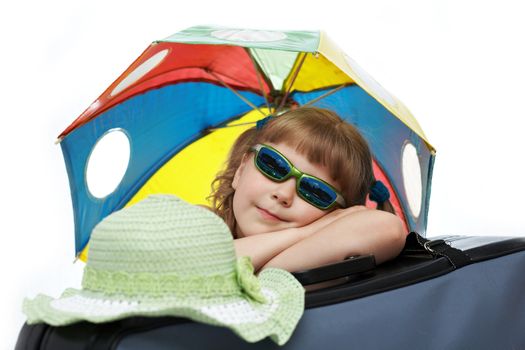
point(360, 232)
point(261, 248)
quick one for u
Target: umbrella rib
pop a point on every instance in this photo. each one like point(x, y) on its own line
point(259, 79)
point(230, 126)
point(248, 102)
point(296, 73)
point(326, 94)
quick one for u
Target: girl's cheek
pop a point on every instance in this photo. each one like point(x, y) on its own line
point(308, 213)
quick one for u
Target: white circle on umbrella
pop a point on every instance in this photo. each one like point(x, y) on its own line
point(411, 170)
point(107, 163)
point(248, 35)
point(140, 71)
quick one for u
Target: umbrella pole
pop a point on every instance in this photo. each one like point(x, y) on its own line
point(296, 73)
point(259, 80)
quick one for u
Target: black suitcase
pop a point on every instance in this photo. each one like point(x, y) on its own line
point(451, 292)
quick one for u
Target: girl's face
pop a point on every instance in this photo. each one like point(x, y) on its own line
point(261, 205)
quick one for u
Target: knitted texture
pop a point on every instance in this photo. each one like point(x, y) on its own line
point(165, 257)
point(158, 285)
point(141, 239)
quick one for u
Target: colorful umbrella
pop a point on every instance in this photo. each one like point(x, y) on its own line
point(178, 108)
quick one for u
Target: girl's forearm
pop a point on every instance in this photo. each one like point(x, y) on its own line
point(359, 233)
point(263, 247)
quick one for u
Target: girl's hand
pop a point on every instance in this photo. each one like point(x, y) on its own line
point(355, 209)
point(359, 231)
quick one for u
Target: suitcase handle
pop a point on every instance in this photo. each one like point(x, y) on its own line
point(350, 266)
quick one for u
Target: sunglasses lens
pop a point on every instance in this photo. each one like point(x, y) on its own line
point(316, 192)
point(272, 164)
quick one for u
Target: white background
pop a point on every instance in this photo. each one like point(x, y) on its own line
point(458, 66)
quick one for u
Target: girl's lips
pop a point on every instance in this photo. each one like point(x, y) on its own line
point(269, 216)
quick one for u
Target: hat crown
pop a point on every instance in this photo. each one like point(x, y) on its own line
point(163, 234)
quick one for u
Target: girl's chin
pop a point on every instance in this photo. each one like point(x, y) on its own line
point(248, 234)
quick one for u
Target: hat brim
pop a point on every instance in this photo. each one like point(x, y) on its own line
point(251, 320)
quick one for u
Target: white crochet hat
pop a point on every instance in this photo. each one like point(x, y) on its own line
point(165, 257)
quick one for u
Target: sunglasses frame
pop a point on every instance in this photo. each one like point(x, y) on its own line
point(298, 174)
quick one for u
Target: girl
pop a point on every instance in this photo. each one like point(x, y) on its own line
point(293, 194)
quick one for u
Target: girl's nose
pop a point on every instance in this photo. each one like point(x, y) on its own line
point(284, 192)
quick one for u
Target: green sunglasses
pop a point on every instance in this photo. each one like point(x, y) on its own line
point(313, 190)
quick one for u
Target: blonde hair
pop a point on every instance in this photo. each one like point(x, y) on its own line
point(323, 138)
